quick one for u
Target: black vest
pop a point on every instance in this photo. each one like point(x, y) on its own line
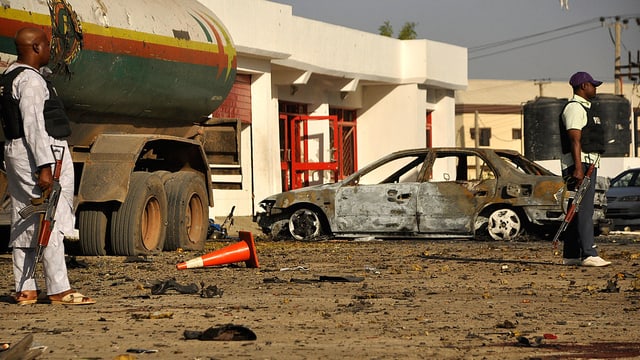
point(55, 119)
point(592, 137)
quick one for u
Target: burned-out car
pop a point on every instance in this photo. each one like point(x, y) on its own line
point(424, 193)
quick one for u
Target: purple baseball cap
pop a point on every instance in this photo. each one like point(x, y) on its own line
point(582, 77)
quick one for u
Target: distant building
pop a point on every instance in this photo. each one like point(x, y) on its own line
point(500, 120)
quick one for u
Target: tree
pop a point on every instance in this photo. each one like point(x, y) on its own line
point(386, 29)
point(408, 31)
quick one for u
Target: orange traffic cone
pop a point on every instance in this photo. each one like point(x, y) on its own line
point(244, 250)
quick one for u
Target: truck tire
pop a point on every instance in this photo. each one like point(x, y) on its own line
point(138, 225)
point(188, 211)
point(93, 229)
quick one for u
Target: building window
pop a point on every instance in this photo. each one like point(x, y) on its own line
point(485, 136)
point(516, 134)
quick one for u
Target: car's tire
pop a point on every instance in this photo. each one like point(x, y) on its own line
point(93, 229)
point(188, 211)
point(305, 224)
point(138, 225)
point(504, 224)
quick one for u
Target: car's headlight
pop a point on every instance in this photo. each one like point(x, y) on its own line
point(267, 205)
point(629, 198)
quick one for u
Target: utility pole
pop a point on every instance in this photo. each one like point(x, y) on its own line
point(541, 84)
point(632, 69)
point(618, 79)
point(476, 139)
point(631, 66)
point(476, 121)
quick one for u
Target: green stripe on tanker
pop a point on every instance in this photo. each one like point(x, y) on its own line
point(134, 86)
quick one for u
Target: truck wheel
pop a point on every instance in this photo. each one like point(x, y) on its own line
point(93, 230)
point(188, 211)
point(138, 225)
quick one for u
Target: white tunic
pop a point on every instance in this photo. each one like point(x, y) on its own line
point(24, 155)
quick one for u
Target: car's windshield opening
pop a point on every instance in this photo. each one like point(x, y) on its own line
point(523, 164)
point(399, 170)
point(460, 167)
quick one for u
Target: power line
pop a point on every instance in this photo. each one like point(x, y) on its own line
point(504, 42)
point(534, 43)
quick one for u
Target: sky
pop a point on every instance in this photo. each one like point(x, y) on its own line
point(506, 39)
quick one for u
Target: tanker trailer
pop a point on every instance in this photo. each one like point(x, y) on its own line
point(139, 80)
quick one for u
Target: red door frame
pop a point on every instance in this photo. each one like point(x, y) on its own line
point(300, 166)
point(429, 131)
point(285, 157)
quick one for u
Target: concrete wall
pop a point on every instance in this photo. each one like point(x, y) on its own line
point(391, 119)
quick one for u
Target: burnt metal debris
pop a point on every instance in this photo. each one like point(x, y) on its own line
point(227, 332)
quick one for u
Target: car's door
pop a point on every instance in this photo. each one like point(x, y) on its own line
point(445, 208)
point(457, 185)
point(378, 208)
point(383, 200)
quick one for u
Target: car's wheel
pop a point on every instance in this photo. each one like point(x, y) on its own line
point(304, 224)
point(188, 211)
point(138, 225)
point(504, 224)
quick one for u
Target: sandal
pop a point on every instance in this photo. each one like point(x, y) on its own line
point(26, 297)
point(74, 298)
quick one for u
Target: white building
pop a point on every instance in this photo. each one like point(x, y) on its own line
point(386, 95)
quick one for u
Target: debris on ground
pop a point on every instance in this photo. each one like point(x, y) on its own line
point(228, 332)
point(436, 310)
point(210, 291)
point(152, 315)
point(142, 351)
point(23, 349)
point(161, 287)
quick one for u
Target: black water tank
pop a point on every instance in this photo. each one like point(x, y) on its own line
point(541, 128)
point(614, 112)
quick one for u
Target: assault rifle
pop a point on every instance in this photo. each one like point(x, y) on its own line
point(46, 206)
point(581, 189)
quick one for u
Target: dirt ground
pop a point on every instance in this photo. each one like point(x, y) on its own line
point(441, 299)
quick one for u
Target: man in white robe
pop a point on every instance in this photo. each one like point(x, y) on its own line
point(30, 162)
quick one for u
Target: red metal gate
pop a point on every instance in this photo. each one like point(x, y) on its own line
point(296, 163)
